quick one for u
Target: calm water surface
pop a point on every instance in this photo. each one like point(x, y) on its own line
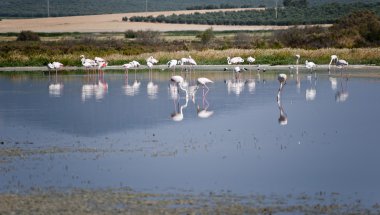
point(321, 136)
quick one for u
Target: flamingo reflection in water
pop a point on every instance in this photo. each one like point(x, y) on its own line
point(95, 86)
point(236, 85)
point(283, 119)
point(342, 94)
point(55, 87)
point(203, 111)
point(311, 92)
point(177, 115)
point(130, 90)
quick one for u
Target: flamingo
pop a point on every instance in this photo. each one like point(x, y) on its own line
point(87, 63)
point(55, 89)
point(152, 60)
point(179, 80)
point(55, 65)
point(127, 66)
point(251, 60)
point(340, 63)
point(235, 60)
point(310, 65)
point(282, 79)
point(202, 81)
point(191, 62)
point(238, 71)
point(172, 64)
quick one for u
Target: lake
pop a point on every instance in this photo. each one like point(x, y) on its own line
point(89, 131)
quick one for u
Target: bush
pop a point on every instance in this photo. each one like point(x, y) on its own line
point(125, 19)
point(130, 34)
point(148, 37)
point(28, 36)
point(206, 36)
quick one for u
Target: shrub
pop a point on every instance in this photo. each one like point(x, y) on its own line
point(206, 36)
point(130, 34)
point(148, 37)
point(28, 36)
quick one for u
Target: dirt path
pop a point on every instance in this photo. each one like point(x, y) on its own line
point(114, 23)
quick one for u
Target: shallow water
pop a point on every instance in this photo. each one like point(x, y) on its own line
point(322, 136)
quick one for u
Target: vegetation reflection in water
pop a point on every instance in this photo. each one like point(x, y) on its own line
point(234, 137)
point(96, 86)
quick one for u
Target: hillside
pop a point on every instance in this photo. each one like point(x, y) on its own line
point(38, 8)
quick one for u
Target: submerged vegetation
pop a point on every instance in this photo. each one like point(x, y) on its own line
point(324, 14)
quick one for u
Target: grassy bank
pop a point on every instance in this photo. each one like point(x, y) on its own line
point(367, 56)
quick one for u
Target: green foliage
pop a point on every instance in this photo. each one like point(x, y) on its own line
point(28, 36)
point(325, 14)
point(206, 36)
point(295, 3)
point(358, 29)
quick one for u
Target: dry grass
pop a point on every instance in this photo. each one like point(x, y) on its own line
point(114, 23)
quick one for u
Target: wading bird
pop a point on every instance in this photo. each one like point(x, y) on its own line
point(282, 79)
point(235, 60)
point(172, 64)
point(310, 65)
point(178, 80)
point(202, 81)
point(251, 60)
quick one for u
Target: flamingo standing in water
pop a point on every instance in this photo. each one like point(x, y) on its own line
point(55, 89)
point(282, 79)
point(178, 80)
point(55, 65)
point(172, 64)
point(339, 63)
point(202, 81)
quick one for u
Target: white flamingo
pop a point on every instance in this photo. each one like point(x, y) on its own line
point(282, 79)
point(179, 81)
point(202, 81)
point(310, 65)
point(55, 65)
point(235, 60)
point(339, 63)
point(88, 63)
point(172, 64)
point(251, 60)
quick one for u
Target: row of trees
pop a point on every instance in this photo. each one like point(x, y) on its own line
point(325, 14)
